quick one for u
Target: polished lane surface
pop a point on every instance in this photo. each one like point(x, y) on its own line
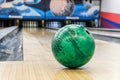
point(39, 63)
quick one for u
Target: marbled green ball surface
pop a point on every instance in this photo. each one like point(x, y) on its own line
point(73, 46)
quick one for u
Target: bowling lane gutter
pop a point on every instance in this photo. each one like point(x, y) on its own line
point(111, 35)
point(105, 29)
point(116, 36)
point(107, 36)
point(95, 31)
point(4, 32)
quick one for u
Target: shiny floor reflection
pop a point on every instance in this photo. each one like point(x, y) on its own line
point(69, 74)
point(104, 64)
point(11, 44)
point(40, 64)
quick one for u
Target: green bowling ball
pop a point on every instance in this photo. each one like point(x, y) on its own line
point(73, 46)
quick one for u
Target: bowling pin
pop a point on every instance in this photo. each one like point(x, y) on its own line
point(80, 23)
point(34, 24)
point(24, 24)
point(51, 25)
point(54, 24)
point(48, 24)
point(59, 24)
point(37, 24)
point(74, 22)
point(27, 24)
point(30, 24)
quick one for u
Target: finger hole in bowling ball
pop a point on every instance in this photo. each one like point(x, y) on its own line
point(87, 32)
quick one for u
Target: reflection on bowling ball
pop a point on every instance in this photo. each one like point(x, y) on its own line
point(73, 46)
point(62, 7)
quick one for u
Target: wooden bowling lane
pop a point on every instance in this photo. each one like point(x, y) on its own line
point(104, 64)
point(39, 63)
